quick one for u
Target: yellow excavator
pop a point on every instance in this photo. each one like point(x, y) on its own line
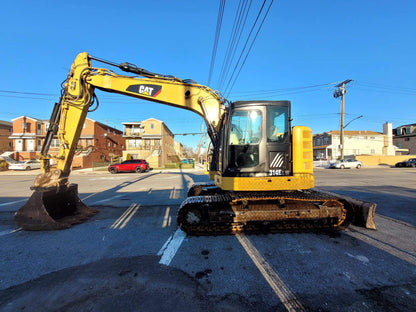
point(261, 168)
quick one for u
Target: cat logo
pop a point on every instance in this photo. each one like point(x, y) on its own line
point(145, 89)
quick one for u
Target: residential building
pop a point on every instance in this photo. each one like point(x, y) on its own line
point(363, 142)
point(151, 140)
point(6, 129)
point(98, 142)
point(404, 137)
point(179, 149)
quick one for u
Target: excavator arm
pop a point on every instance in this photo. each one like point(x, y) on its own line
point(54, 203)
point(78, 97)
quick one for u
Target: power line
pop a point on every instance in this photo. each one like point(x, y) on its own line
point(251, 46)
point(236, 31)
point(29, 93)
point(217, 36)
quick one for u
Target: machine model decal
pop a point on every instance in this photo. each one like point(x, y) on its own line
point(278, 161)
point(277, 165)
point(145, 89)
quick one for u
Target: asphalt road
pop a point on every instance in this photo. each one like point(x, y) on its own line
point(132, 257)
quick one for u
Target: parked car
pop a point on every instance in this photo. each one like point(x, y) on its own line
point(132, 165)
point(346, 163)
point(411, 162)
point(188, 161)
point(25, 165)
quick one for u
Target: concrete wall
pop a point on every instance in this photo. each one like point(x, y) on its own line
point(383, 160)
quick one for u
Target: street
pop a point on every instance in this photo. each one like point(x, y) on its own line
point(131, 256)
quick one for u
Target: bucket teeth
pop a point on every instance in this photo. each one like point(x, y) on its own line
point(53, 210)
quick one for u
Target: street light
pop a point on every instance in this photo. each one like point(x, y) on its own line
point(352, 120)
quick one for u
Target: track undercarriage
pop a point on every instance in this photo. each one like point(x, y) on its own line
point(209, 210)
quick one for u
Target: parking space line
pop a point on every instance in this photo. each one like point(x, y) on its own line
point(13, 202)
point(10, 231)
point(286, 296)
point(401, 254)
point(167, 219)
point(125, 217)
point(171, 246)
point(106, 200)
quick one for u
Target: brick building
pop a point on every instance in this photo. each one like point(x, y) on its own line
point(151, 140)
point(6, 129)
point(98, 142)
point(404, 137)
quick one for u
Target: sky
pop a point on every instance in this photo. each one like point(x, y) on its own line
point(301, 51)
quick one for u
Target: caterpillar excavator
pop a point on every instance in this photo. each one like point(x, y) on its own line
point(261, 168)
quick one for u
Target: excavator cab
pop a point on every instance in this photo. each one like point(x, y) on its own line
point(258, 139)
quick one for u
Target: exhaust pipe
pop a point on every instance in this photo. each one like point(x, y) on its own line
point(53, 210)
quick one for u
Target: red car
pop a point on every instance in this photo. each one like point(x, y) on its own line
point(132, 165)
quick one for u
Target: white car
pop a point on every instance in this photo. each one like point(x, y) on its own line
point(25, 165)
point(346, 163)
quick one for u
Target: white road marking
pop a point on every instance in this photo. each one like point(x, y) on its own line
point(171, 246)
point(13, 202)
point(167, 218)
point(10, 231)
point(402, 254)
point(105, 200)
point(125, 217)
point(286, 296)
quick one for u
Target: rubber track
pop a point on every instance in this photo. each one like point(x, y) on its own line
point(205, 202)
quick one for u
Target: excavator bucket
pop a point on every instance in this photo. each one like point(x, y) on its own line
point(361, 212)
point(53, 210)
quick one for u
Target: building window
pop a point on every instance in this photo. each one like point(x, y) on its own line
point(147, 144)
point(407, 139)
point(157, 144)
point(114, 145)
point(135, 143)
point(373, 151)
point(55, 143)
point(108, 144)
point(152, 126)
point(89, 142)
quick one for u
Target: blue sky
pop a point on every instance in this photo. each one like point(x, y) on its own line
point(301, 44)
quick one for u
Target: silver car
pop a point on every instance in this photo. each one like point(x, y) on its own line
point(346, 163)
point(25, 165)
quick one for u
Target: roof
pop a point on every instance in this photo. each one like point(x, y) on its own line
point(132, 123)
point(5, 123)
point(154, 119)
point(409, 125)
point(355, 132)
point(27, 117)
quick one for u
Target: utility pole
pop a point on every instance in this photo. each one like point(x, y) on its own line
point(341, 92)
